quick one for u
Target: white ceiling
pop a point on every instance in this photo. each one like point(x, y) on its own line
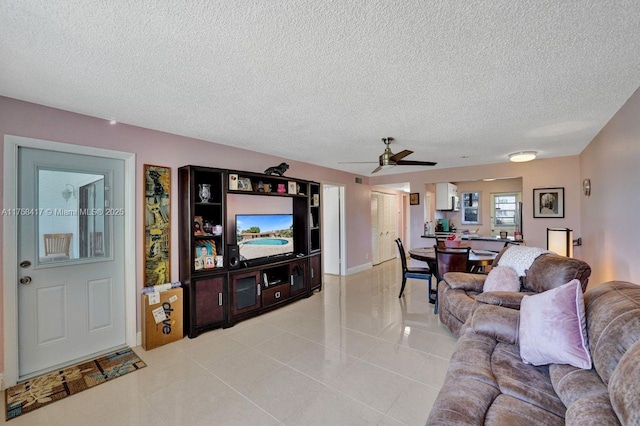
point(458, 82)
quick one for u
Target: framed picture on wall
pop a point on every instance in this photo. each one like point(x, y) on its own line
point(414, 198)
point(157, 220)
point(548, 202)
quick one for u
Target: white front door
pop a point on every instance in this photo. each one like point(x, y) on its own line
point(71, 297)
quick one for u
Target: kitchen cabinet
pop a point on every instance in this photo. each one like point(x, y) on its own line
point(446, 196)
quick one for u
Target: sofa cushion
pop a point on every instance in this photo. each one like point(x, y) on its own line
point(551, 271)
point(465, 281)
point(573, 384)
point(613, 316)
point(623, 387)
point(530, 384)
point(507, 410)
point(497, 322)
point(553, 328)
point(502, 298)
point(593, 410)
point(501, 278)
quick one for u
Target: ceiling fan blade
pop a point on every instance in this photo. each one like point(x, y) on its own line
point(415, 163)
point(377, 169)
point(399, 156)
point(357, 162)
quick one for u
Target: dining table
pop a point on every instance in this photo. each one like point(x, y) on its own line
point(478, 259)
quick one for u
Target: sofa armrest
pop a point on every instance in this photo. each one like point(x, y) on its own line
point(465, 281)
point(507, 299)
point(497, 322)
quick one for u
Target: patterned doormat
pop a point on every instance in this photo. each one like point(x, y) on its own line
point(43, 390)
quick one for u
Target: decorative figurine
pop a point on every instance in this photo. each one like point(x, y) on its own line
point(277, 170)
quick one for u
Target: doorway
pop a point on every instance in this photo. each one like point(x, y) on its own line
point(69, 256)
point(333, 250)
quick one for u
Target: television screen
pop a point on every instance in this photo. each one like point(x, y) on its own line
point(264, 235)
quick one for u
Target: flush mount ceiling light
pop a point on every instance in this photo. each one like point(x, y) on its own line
point(521, 157)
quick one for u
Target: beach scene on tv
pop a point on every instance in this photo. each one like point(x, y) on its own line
point(264, 235)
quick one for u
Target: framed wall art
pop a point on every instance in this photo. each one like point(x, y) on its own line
point(414, 198)
point(548, 202)
point(157, 210)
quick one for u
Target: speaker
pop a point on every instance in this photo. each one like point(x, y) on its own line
point(233, 254)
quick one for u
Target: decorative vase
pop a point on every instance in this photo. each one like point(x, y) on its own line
point(204, 191)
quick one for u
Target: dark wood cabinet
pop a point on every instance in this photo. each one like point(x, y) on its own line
point(246, 289)
point(201, 217)
point(298, 277)
point(218, 294)
point(315, 272)
point(209, 300)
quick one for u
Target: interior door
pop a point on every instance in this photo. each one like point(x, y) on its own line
point(71, 299)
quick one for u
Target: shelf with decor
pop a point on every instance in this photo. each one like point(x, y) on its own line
point(260, 184)
point(226, 216)
point(202, 246)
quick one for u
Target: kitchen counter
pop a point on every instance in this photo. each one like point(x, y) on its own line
point(469, 237)
point(473, 241)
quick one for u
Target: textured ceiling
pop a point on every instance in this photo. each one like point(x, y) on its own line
point(458, 82)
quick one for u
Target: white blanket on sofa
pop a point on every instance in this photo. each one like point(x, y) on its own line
point(520, 258)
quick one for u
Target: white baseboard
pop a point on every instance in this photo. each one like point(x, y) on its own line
point(359, 268)
point(139, 338)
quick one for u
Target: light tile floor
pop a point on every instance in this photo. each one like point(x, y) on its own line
point(351, 354)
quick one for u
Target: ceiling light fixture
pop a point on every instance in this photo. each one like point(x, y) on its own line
point(522, 156)
point(112, 122)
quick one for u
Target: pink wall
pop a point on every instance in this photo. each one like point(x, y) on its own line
point(610, 215)
point(154, 147)
point(553, 172)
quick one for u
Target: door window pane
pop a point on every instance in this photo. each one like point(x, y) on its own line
point(71, 216)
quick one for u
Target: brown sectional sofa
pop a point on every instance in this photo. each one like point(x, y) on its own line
point(458, 292)
point(488, 384)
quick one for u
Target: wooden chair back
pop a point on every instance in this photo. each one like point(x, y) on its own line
point(451, 259)
point(57, 244)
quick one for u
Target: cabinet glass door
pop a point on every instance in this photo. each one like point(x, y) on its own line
point(246, 292)
point(298, 279)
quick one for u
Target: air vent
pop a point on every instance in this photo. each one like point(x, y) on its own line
point(358, 180)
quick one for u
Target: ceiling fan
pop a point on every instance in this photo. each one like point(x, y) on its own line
point(389, 159)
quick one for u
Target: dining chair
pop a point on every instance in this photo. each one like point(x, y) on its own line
point(57, 244)
point(413, 272)
point(449, 259)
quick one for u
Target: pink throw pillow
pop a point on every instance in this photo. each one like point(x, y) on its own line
point(553, 329)
point(501, 278)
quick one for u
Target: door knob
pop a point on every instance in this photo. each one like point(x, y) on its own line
point(25, 264)
point(25, 280)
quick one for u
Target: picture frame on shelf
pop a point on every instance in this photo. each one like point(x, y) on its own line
point(414, 198)
point(548, 202)
point(244, 184)
point(198, 226)
point(233, 182)
point(315, 200)
point(209, 262)
point(292, 187)
point(198, 264)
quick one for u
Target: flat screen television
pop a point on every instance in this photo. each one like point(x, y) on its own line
point(264, 235)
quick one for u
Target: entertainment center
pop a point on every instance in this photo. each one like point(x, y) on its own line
point(248, 243)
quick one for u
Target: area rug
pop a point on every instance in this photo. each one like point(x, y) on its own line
point(43, 390)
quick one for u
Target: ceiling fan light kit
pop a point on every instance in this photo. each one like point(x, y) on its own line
point(523, 156)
